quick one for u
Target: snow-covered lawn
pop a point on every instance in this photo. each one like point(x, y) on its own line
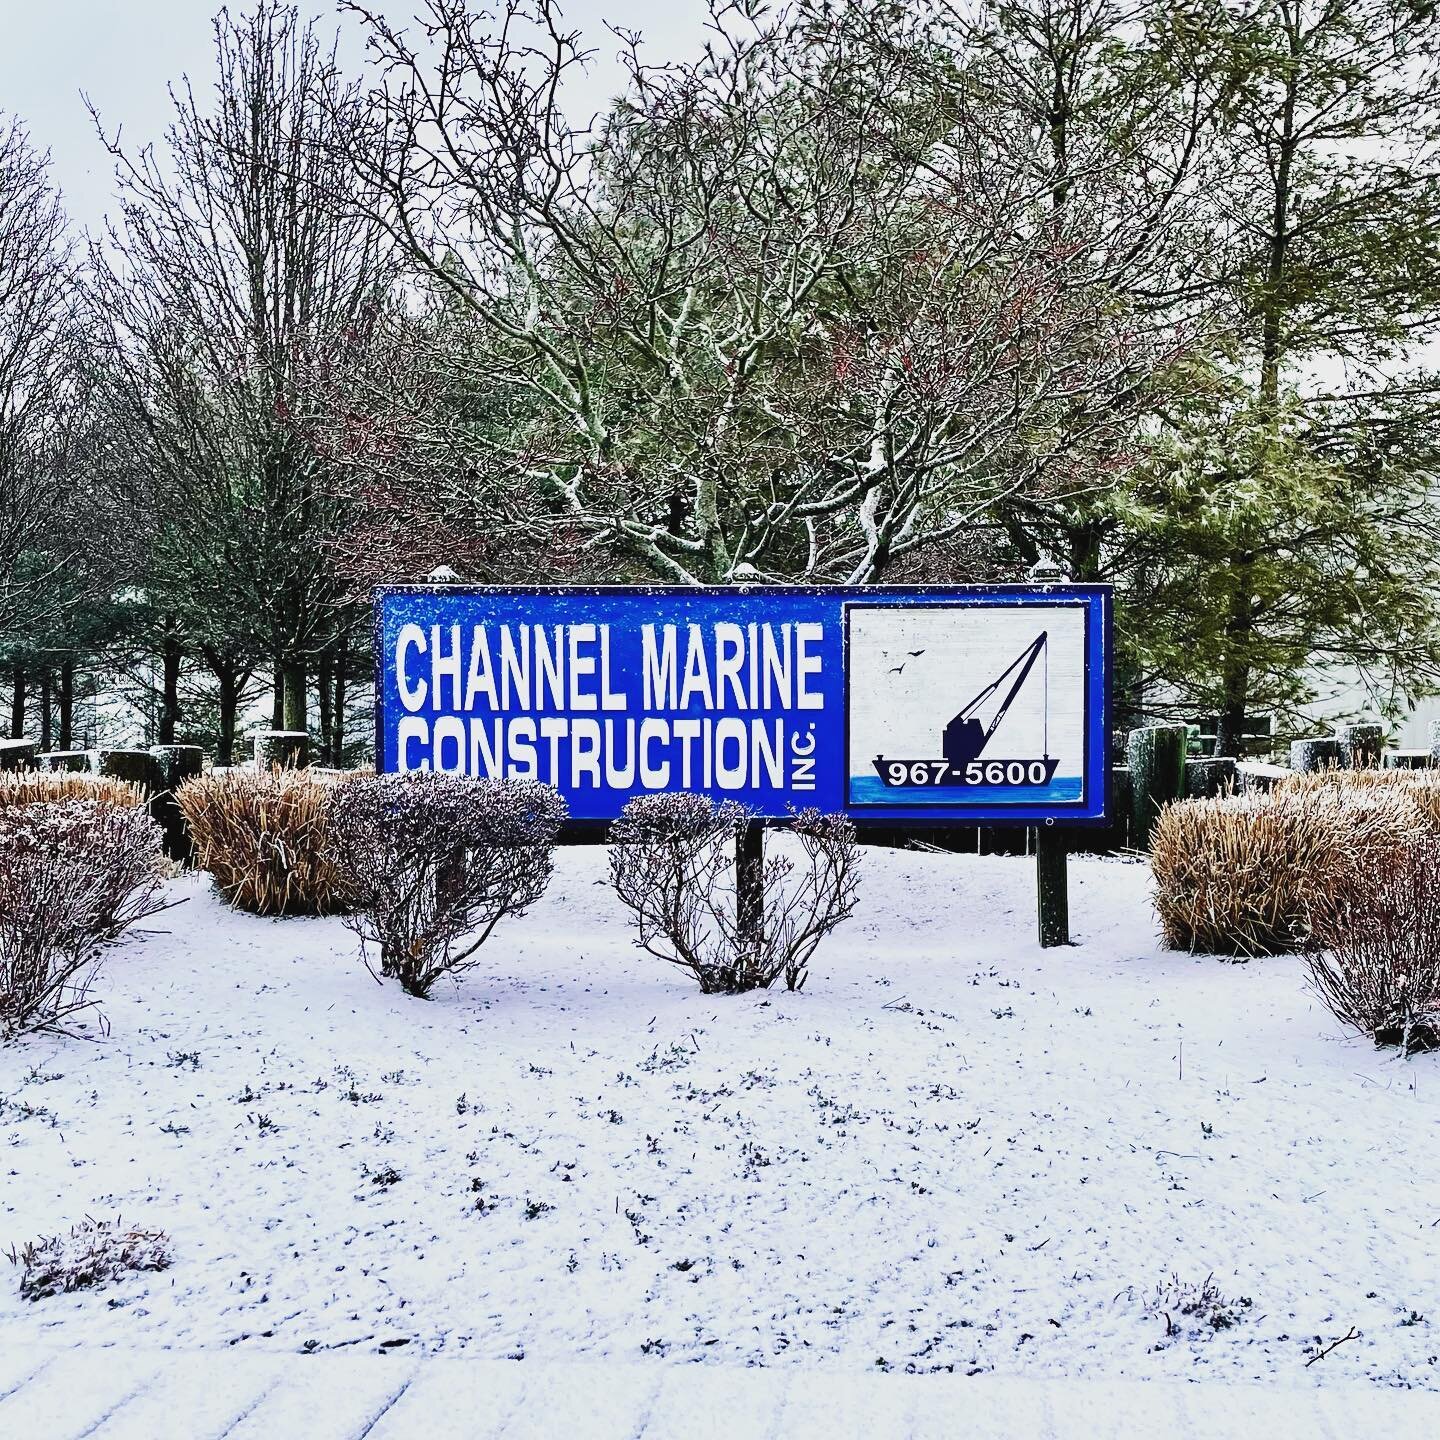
point(953, 1150)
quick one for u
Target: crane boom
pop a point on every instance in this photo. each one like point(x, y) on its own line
point(1024, 662)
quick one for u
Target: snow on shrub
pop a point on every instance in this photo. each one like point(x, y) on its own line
point(1239, 875)
point(1374, 949)
point(672, 863)
point(437, 861)
point(73, 874)
point(262, 837)
point(94, 1253)
point(30, 787)
point(1421, 787)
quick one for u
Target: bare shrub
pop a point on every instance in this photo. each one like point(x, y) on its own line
point(1374, 949)
point(94, 1253)
point(673, 864)
point(73, 875)
point(30, 787)
point(1239, 875)
point(263, 837)
point(437, 861)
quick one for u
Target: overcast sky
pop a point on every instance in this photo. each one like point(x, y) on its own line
point(123, 53)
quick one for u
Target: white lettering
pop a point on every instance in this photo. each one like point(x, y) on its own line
point(807, 664)
point(697, 673)
point(653, 776)
point(730, 775)
point(412, 727)
point(658, 669)
point(412, 697)
point(581, 665)
point(449, 727)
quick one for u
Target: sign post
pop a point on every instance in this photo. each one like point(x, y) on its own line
point(923, 705)
point(1052, 887)
point(750, 884)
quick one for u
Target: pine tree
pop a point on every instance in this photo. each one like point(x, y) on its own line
point(1299, 486)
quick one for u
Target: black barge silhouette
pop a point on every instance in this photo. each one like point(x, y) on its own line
point(965, 738)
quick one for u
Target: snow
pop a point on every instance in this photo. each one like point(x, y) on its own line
point(952, 1150)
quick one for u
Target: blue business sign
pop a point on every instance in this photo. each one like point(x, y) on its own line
point(926, 703)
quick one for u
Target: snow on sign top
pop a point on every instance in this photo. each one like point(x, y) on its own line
point(931, 703)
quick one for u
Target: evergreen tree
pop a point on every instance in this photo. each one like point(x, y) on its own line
point(1297, 511)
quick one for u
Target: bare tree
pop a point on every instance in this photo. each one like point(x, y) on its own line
point(1123, 98)
point(799, 309)
point(37, 351)
point(241, 247)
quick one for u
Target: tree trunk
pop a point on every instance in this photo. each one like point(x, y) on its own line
point(170, 713)
point(294, 710)
point(1240, 627)
point(277, 707)
point(1085, 542)
point(325, 697)
point(45, 730)
point(1235, 668)
point(231, 677)
point(338, 707)
point(229, 707)
point(17, 702)
point(67, 702)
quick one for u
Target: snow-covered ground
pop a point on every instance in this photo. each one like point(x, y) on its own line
point(952, 1151)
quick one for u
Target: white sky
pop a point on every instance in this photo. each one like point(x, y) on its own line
point(123, 53)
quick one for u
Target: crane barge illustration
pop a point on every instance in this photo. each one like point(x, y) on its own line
point(965, 738)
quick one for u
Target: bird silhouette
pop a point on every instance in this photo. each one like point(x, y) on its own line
point(913, 653)
point(896, 669)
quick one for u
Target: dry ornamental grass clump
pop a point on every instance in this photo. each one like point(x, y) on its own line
point(1241, 875)
point(94, 1253)
point(34, 787)
point(1421, 787)
point(264, 839)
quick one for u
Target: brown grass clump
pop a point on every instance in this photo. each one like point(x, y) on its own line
point(1422, 787)
point(1242, 875)
point(41, 787)
point(95, 1253)
point(264, 839)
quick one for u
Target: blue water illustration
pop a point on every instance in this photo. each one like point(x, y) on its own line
point(872, 790)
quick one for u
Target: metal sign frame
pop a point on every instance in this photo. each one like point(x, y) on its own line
point(1092, 602)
